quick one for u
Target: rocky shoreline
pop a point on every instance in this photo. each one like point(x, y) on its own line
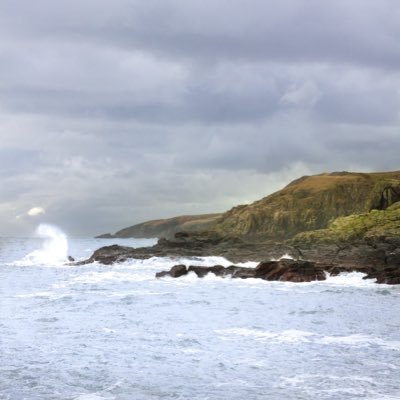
point(378, 258)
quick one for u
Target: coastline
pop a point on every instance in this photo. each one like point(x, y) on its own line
point(378, 258)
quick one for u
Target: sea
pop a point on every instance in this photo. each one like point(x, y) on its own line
point(115, 332)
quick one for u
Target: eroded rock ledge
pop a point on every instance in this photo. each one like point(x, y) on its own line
point(378, 257)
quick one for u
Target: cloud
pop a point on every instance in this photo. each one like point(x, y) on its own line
point(32, 212)
point(116, 112)
point(35, 211)
point(305, 94)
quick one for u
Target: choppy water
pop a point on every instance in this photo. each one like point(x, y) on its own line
point(115, 332)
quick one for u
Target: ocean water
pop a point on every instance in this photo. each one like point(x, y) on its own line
point(98, 332)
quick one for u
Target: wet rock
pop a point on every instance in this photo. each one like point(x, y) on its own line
point(108, 255)
point(283, 270)
point(176, 271)
point(388, 275)
point(290, 270)
point(203, 271)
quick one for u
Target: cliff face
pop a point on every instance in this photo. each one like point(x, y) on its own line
point(310, 203)
point(168, 227)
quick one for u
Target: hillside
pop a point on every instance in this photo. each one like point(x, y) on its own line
point(310, 203)
point(167, 227)
point(306, 204)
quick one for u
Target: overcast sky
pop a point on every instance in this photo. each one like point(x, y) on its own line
point(116, 112)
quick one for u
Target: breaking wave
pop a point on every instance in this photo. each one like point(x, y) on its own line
point(54, 249)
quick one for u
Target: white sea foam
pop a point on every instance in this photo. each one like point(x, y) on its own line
point(288, 336)
point(54, 250)
point(93, 277)
point(358, 340)
point(301, 378)
point(350, 278)
point(45, 295)
point(298, 336)
point(94, 396)
point(285, 256)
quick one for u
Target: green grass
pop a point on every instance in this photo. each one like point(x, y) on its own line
point(385, 223)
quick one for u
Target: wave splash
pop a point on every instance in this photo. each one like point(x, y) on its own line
point(54, 249)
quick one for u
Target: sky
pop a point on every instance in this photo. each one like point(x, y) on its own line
point(117, 112)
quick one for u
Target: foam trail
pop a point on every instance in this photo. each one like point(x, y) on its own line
point(54, 248)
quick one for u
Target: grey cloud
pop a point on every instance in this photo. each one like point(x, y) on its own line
point(357, 32)
point(116, 112)
point(14, 161)
point(361, 107)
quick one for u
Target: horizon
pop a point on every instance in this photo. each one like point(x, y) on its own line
point(117, 113)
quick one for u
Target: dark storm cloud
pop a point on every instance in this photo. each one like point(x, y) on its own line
point(113, 112)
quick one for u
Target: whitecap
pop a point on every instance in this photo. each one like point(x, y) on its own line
point(288, 336)
point(54, 250)
point(358, 340)
point(295, 336)
point(94, 277)
point(94, 396)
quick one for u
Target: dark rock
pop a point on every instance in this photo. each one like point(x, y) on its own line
point(71, 259)
point(199, 271)
point(388, 275)
point(162, 274)
point(335, 271)
point(243, 273)
point(217, 270)
point(283, 270)
point(176, 271)
point(393, 257)
point(110, 254)
point(180, 235)
point(290, 270)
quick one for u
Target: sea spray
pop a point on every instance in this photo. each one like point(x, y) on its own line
point(54, 248)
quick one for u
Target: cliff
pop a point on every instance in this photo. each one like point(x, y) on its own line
point(311, 203)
